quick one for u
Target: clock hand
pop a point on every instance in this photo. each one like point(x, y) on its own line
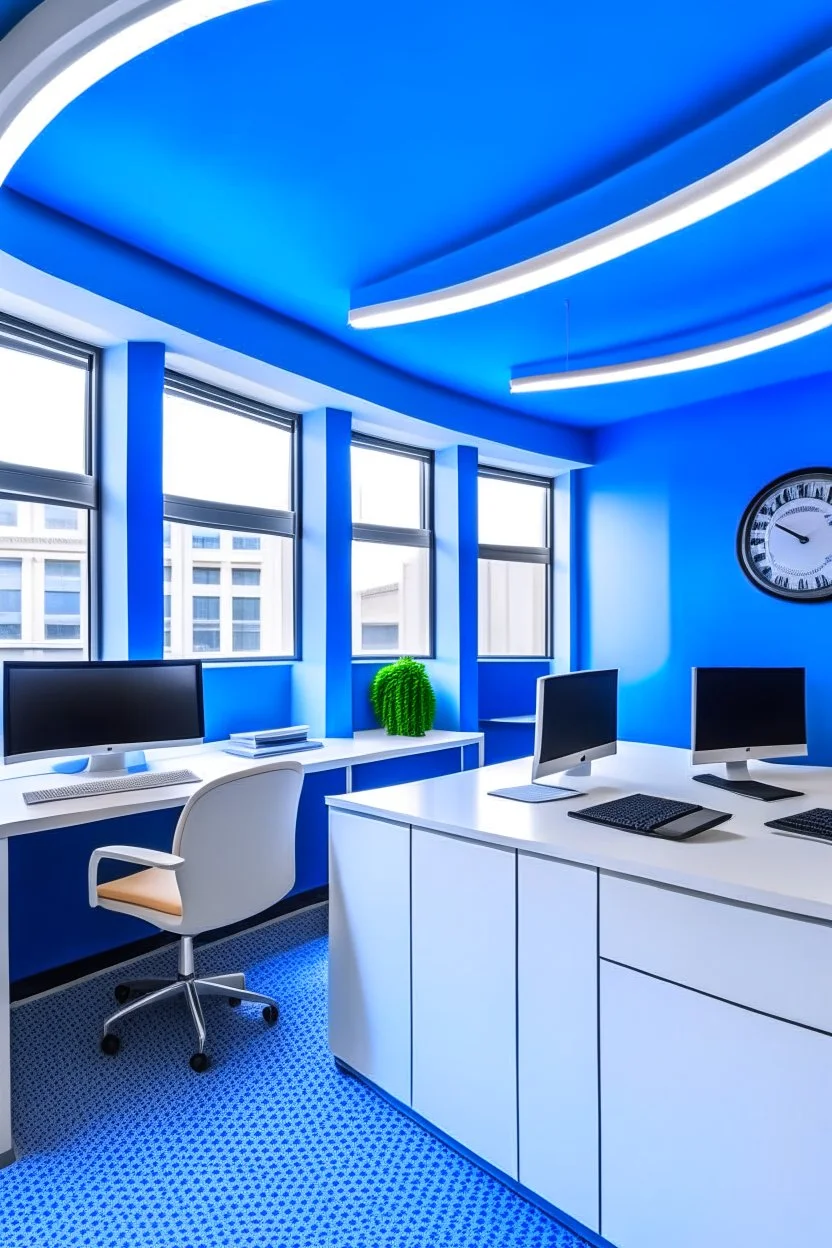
point(801, 537)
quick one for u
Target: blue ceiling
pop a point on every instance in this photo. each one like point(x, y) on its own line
point(294, 152)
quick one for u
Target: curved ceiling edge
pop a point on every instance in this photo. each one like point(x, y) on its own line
point(62, 47)
point(680, 361)
point(779, 130)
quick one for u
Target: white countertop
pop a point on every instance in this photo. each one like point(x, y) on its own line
point(741, 860)
point(207, 761)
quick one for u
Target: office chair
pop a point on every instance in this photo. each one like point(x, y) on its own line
point(233, 857)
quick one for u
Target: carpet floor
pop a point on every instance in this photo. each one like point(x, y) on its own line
point(271, 1148)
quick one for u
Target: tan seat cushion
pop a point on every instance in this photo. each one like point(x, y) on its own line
point(155, 888)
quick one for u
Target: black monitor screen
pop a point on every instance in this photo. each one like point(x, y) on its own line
point(64, 707)
point(580, 712)
point(741, 707)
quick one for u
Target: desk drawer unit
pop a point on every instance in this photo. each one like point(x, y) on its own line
point(768, 962)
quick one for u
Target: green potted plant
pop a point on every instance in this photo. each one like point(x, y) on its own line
point(403, 699)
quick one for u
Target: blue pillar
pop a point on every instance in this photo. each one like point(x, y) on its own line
point(131, 501)
point(454, 670)
point(322, 690)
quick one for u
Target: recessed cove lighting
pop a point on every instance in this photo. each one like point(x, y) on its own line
point(682, 361)
point(793, 148)
point(62, 47)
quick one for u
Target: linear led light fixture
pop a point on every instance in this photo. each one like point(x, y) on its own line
point(62, 47)
point(793, 148)
point(682, 361)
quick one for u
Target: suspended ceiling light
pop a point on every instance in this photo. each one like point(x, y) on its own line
point(798, 145)
point(681, 361)
point(62, 47)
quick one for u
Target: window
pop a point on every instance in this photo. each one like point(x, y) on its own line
point(391, 549)
point(203, 539)
point(515, 546)
point(167, 623)
point(62, 599)
point(47, 493)
point(245, 576)
point(206, 624)
point(246, 623)
point(167, 574)
point(59, 517)
point(229, 480)
point(10, 616)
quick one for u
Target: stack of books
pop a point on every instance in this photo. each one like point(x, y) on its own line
point(268, 741)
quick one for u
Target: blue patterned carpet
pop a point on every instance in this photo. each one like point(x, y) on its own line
point(272, 1148)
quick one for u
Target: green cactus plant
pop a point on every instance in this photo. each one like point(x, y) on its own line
point(403, 699)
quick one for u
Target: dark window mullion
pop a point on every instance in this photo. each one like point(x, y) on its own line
point(516, 554)
point(389, 535)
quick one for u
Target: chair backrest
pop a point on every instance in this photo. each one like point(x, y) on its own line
point(237, 836)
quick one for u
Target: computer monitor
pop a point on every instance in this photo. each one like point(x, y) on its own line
point(576, 722)
point(103, 709)
point(747, 712)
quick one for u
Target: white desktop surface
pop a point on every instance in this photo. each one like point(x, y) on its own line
point(740, 860)
point(206, 761)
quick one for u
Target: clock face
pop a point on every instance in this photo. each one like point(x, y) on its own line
point(784, 541)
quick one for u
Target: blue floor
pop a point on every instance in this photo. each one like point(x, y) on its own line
point(272, 1148)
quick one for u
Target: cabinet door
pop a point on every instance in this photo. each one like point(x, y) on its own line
point(557, 994)
point(5, 1065)
point(715, 1121)
point(369, 949)
point(464, 993)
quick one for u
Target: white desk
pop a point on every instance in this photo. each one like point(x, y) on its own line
point(208, 762)
point(637, 1031)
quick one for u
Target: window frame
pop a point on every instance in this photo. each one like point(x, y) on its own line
point(524, 554)
point(80, 490)
point(270, 522)
point(394, 535)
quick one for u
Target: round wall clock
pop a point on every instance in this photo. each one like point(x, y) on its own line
point(784, 541)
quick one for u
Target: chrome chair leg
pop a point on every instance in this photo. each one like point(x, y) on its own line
point(196, 1013)
point(209, 983)
point(210, 986)
point(160, 994)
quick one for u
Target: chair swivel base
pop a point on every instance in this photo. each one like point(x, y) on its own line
point(136, 994)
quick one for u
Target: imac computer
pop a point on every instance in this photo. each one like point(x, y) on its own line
point(103, 710)
point(576, 721)
point(747, 712)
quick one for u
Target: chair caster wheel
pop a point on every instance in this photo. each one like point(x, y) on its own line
point(200, 1062)
point(122, 994)
point(234, 1002)
point(110, 1044)
point(270, 1014)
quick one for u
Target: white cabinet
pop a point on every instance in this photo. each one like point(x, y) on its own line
point(5, 1077)
point(715, 1122)
point(557, 993)
point(369, 949)
point(464, 993)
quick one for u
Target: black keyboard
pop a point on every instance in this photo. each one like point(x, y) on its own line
point(652, 816)
point(816, 823)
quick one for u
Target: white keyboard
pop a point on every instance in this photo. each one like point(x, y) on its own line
point(110, 784)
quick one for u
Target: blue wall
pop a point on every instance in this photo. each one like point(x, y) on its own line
point(508, 687)
point(240, 696)
point(661, 589)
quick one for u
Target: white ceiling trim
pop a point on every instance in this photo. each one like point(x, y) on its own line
point(62, 47)
point(793, 148)
point(681, 361)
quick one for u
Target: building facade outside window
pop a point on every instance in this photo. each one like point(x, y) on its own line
point(392, 549)
point(515, 565)
point(230, 525)
point(48, 494)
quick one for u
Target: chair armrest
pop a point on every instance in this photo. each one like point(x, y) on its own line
point(128, 853)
